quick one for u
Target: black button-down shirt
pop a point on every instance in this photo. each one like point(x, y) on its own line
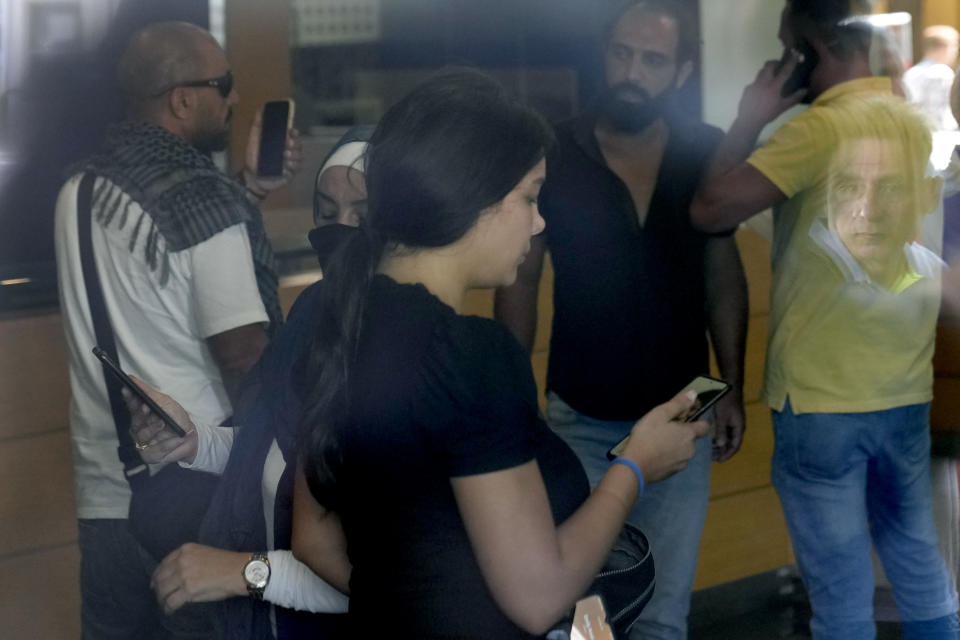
point(629, 325)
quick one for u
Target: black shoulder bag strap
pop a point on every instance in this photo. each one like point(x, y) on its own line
point(132, 464)
point(166, 509)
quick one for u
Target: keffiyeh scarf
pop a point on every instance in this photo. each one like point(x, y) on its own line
point(188, 198)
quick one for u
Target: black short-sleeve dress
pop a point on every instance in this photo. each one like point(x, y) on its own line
point(435, 395)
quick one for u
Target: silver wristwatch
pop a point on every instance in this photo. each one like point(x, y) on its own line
point(256, 573)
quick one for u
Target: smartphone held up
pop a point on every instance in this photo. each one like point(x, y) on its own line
point(807, 60)
point(709, 391)
point(276, 122)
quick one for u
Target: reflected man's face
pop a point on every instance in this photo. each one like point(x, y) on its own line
point(871, 202)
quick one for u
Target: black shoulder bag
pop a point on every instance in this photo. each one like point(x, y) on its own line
point(166, 508)
point(625, 584)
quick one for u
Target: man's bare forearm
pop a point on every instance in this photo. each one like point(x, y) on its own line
point(733, 150)
point(713, 207)
point(732, 190)
point(235, 352)
point(727, 308)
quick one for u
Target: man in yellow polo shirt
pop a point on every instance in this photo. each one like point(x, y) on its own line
point(854, 302)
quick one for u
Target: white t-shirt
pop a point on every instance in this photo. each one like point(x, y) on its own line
point(160, 333)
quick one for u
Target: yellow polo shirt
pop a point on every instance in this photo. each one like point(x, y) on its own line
point(838, 341)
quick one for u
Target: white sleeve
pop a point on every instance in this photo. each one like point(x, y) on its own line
point(294, 586)
point(224, 283)
point(213, 448)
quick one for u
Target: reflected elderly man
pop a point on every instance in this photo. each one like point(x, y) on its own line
point(875, 204)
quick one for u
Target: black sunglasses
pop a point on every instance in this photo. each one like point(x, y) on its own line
point(223, 84)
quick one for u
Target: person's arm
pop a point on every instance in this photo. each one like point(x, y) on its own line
point(203, 448)
point(727, 311)
point(318, 539)
point(295, 586)
point(199, 573)
point(516, 306)
point(536, 570)
point(236, 351)
point(214, 444)
point(227, 306)
point(732, 190)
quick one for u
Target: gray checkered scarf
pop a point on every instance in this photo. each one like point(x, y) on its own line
point(188, 198)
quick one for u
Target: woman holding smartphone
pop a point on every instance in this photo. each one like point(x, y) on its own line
point(433, 491)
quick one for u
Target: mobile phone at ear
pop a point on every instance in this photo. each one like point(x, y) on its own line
point(118, 373)
point(277, 120)
point(800, 78)
point(709, 391)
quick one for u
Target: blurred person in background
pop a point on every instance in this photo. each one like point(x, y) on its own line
point(927, 83)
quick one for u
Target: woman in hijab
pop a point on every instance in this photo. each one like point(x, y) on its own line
point(250, 515)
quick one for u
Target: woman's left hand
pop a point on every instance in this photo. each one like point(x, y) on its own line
point(155, 441)
point(198, 573)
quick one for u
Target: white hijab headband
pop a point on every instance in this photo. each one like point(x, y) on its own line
point(349, 155)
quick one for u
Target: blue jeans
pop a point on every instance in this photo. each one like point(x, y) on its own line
point(116, 602)
point(670, 512)
point(845, 479)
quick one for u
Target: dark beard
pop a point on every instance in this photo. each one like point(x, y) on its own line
point(211, 141)
point(214, 140)
point(631, 117)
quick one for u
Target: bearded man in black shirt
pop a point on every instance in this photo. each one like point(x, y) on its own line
point(636, 288)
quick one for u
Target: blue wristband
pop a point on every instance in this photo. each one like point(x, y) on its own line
point(633, 467)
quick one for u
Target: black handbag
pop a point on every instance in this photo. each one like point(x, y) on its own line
point(166, 508)
point(627, 580)
point(625, 584)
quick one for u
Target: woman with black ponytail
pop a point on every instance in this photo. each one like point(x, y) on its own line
point(432, 490)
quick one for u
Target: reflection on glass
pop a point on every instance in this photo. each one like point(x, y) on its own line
point(873, 205)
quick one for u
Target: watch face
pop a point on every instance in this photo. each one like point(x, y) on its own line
point(256, 573)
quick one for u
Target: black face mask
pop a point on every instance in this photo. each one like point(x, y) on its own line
point(328, 238)
point(631, 117)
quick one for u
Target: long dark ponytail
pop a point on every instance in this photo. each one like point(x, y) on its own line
point(456, 145)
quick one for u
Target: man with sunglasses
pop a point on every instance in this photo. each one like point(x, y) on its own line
point(189, 291)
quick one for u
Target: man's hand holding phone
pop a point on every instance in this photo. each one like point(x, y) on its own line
point(154, 439)
point(763, 100)
point(261, 135)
